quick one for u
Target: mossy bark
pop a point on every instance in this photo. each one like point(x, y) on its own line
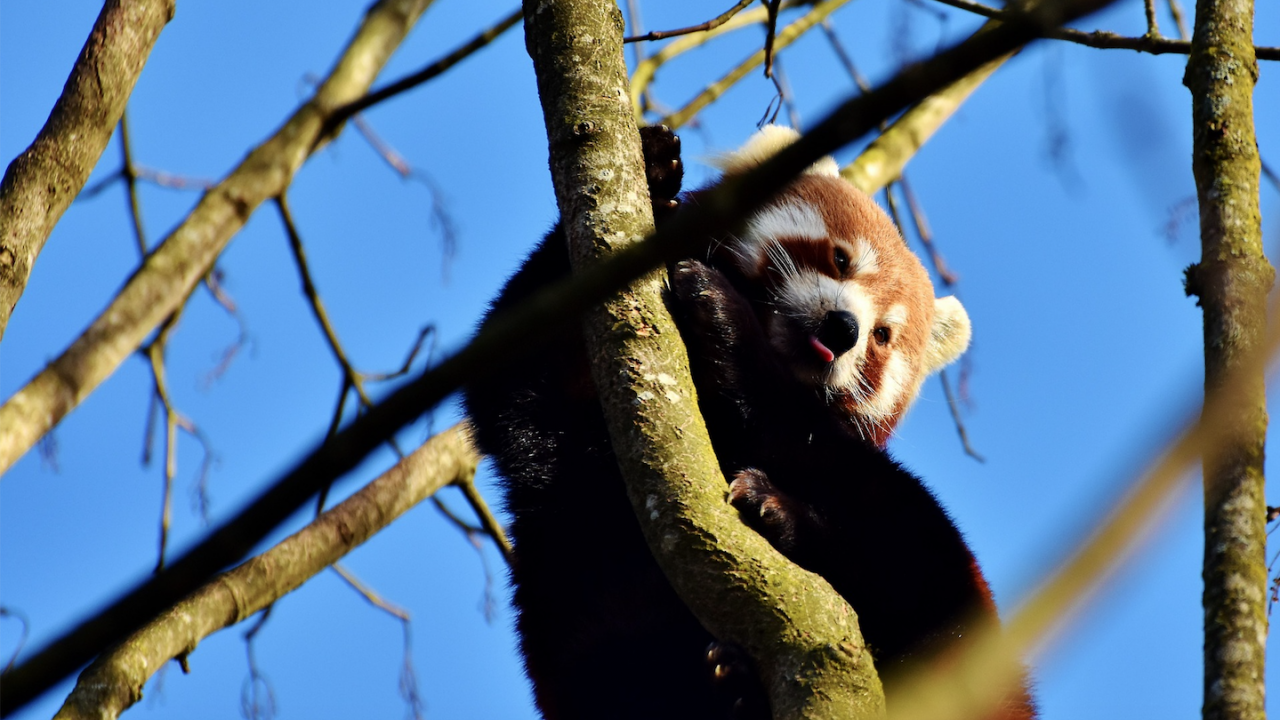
point(802, 634)
point(169, 273)
point(113, 682)
point(41, 182)
point(1231, 280)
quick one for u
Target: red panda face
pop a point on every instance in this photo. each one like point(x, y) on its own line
point(844, 303)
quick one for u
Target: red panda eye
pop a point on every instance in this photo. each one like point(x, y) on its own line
point(882, 335)
point(841, 258)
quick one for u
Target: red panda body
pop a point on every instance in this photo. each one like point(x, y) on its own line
point(809, 334)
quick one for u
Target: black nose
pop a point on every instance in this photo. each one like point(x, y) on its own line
point(839, 331)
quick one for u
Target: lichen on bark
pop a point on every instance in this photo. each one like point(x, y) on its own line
point(802, 634)
point(1231, 281)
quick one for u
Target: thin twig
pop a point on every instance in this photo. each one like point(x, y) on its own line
point(828, 29)
point(1175, 9)
point(925, 234)
point(1105, 40)
point(712, 24)
point(520, 327)
point(429, 72)
point(788, 35)
point(22, 639)
point(785, 96)
point(130, 176)
point(491, 525)
point(1153, 28)
point(408, 677)
point(114, 681)
point(428, 331)
point(645, 72)
point(257, 698)
point(770, 32)
point(954, 407)
point(1270, 174)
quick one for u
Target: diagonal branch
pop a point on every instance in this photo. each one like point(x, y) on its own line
point(47, 176)
point(167, 276)
point(523, 327)
point(114, 681)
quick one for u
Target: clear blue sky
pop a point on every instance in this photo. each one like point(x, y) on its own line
point(1085, 350)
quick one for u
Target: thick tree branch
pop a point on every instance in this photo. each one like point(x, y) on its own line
point(1231, 282)
point(42, 181)
point(811, 655)
point(523, 327)
point(169, 273)
point(114, 681)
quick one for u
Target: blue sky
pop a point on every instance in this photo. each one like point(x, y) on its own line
point(1085, 356)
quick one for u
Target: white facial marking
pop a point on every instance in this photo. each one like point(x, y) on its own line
point(788, 220)
point(865, 260)
point(808, 296)
point(896, 317)
point(892, 383)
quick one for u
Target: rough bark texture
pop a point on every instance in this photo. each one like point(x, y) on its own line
point(803, 635)
point(170, 272)
point(114, 681)
point(1231, 280)
point(42, 181)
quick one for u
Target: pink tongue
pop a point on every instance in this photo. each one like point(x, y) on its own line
point(823, 351)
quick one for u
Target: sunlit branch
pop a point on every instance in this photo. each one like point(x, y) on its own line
point(40, 183)
point(174, 267)
point(114, 681)
point(523, 327)
point(713, 91)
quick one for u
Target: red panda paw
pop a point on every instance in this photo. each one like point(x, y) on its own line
point(734, 677)
point(663, 168)
point(768, 510)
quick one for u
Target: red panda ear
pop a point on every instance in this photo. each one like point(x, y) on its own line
point(949, 336)
point(764, 144)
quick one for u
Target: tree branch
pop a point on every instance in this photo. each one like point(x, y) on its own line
point(811, 655)
point(115, 681)
point(41, 182)
point(1103, 40)
point(1231, 282)
point(884, 159)
point(523, 327)
point(169, 273)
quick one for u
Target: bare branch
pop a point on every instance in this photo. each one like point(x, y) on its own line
point(129, 174)
point(711, 24)
point(1175, 9)
point(788, 35)
point(183, 258)
point(40, 184)
point(1104, 40)
point(114, 681)
point(732, 201)
point(1153, 28)
point(884, 159)
point(433, 70)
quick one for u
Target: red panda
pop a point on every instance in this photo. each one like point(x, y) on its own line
point(809, 333)
point(842, 300)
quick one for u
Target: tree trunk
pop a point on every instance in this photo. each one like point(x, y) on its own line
point(1231, 281)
